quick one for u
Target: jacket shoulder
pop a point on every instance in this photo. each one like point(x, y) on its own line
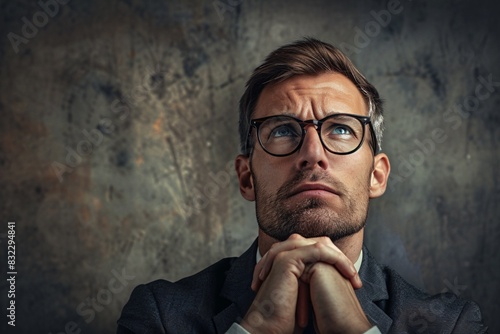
point(415, 311)
point(184, 304)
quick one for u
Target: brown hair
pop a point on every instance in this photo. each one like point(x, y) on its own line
point(305, 57)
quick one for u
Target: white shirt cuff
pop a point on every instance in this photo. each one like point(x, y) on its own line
point(237, 329)
point(373, 330)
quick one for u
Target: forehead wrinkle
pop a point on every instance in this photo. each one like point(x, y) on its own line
point(312, 98)
point(297, 103)
point(344, 91)
point(307, 100)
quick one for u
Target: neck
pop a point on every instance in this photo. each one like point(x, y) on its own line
point(350, 245)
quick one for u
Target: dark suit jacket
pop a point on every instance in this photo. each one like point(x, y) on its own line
point(211, 300)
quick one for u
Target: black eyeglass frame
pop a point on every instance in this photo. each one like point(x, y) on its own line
point(255, 123)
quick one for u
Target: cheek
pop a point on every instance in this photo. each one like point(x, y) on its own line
point(353, 170)
point(270, 175)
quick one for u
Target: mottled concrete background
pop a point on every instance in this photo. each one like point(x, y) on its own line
point(118, 130)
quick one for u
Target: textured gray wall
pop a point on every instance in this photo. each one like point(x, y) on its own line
point(154, 85)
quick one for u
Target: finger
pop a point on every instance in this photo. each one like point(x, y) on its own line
point(332, 297)
point(255, 278)
point(295, 241)
point(352, 274)
point(356, 281)
point(312, 253)
point(264, 265)
point(349, 273)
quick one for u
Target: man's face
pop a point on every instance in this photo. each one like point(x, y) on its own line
point(311, 192)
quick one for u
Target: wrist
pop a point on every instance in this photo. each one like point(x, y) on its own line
point(259, 320)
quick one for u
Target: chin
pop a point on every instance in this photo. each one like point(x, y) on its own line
point(311, 218)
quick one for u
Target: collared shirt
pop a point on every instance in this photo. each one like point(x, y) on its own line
point(237, 329)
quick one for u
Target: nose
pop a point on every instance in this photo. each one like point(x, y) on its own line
point(312, 154)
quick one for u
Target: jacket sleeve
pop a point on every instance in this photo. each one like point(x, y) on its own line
point(140, 314)
point(470, 320)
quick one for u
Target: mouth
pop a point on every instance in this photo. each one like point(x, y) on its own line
point(313, 189)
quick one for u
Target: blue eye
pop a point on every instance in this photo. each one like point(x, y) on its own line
point(283, 131)
point(341, 130)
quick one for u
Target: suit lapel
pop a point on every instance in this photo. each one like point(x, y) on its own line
point(374, 290)
point(237, 290)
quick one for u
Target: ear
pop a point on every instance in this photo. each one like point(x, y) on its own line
point(243, 170)
point(380, 175)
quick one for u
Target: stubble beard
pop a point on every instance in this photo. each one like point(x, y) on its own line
point(313, 217)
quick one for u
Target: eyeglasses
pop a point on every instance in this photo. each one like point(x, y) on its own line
point(339, 133)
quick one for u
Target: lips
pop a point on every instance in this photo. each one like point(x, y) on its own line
point(312, 187)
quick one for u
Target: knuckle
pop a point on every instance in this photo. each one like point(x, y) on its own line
point(273, 246)
point(319, 246)
point(318, 250)
point(280, 257)
point(272, 251)
point(326, 239)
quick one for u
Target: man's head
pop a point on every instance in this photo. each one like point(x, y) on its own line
point(306, 57)
point(303, 180)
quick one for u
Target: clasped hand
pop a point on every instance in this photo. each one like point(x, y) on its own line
point(300, 274)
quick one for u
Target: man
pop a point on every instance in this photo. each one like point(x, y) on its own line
point(310, 132)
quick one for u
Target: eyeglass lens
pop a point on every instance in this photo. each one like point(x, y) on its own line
point(281, 135)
